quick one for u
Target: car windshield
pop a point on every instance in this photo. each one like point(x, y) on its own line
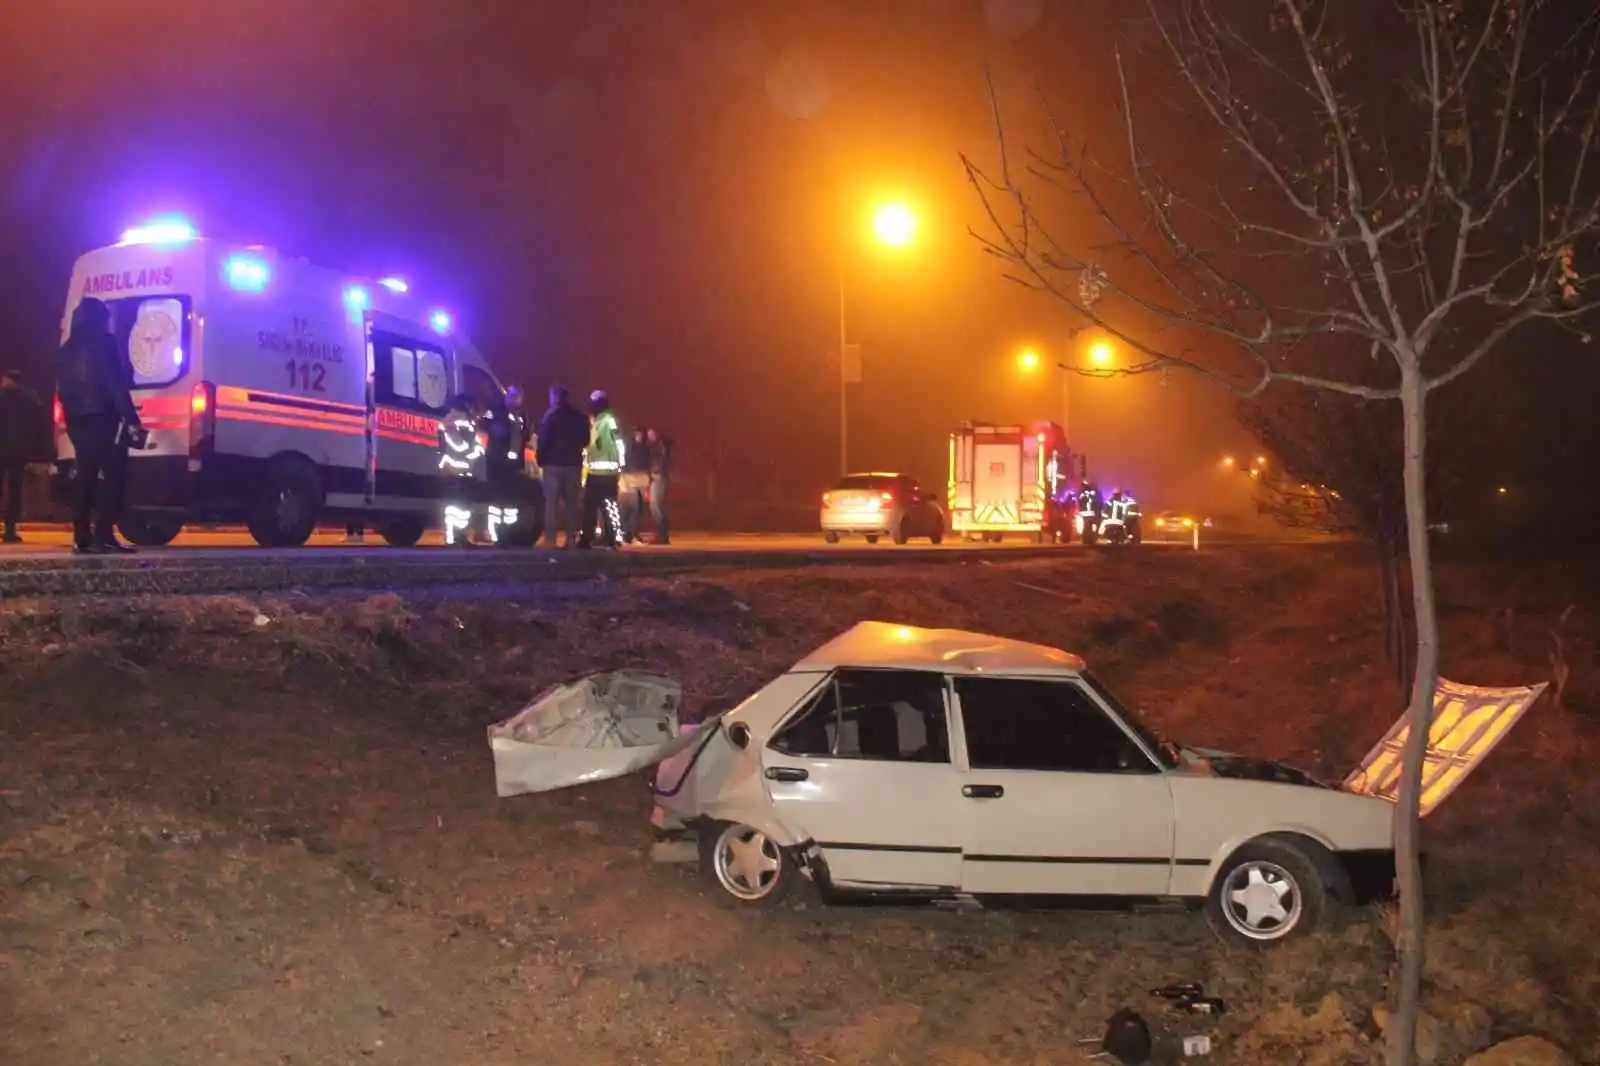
point(1165, 751)
point(867, 481)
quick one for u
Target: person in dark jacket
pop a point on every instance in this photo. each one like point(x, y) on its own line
point(563, 435)
point(660, 474)
point(20, 425)
point(634, 488)
point(92, 383)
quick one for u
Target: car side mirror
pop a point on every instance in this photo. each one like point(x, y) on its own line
point(739, 735)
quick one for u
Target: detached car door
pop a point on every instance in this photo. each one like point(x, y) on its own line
point(1058, 797)
point(864, 769)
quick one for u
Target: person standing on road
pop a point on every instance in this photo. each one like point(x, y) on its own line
point(660, 472)
point(607, 455)
point(563, 434)
point(92, 384)
point(19, 440)
point(635, 487)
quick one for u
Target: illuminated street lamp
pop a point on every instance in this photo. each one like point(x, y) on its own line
point(894, 225)
point(1101, 353)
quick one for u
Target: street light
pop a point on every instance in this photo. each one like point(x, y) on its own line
point(1029, 360)
point(895, 226)
point(1101, 353)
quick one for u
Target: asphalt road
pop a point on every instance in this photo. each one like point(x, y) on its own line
point(54, 542)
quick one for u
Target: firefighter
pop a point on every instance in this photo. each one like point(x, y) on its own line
point(461, 461)
point(1123, 510)
point(1089, 511)
point(606, 456)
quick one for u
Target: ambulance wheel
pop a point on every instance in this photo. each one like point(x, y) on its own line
point(402, 532)
point(291, 499)
point(524, 533)
point(149, 531)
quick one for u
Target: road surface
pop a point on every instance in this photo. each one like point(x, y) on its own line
point(42, 542)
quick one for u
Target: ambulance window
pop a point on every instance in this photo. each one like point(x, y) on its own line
point(153, 333)
point(410, 375)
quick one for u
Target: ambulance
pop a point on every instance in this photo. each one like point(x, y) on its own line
point(281, 395)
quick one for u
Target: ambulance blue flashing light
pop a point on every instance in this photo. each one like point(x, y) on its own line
point(357, 298)
point(395, 285)
point(246, 273)
point(164, 232)
point(440, 321)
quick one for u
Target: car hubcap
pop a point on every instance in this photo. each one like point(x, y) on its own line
point(747, 862)
point(1261, 900)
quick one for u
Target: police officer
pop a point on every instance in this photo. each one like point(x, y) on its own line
point(92, 384)
point(607, 453)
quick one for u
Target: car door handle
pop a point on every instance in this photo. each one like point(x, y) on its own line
point(786, 773)
point(982, 792)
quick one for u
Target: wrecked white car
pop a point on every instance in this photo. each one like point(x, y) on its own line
point(945, 765)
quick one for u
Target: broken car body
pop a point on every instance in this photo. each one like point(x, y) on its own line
point(939, 764)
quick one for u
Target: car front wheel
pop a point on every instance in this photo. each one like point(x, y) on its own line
point(1267, 892)
point(749, 867)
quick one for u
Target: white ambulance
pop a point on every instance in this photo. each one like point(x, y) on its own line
point(280, 394)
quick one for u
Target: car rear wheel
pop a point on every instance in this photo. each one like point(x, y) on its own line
point(872, 538)
point(149, 531)
point(831, 537)
point(900, 536)
point(749, 867)
point(1267, 892)
point(937, 536)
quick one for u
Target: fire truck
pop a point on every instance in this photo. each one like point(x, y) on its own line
point(1013, 479)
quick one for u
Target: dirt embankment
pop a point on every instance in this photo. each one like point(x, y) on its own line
point(264, 830)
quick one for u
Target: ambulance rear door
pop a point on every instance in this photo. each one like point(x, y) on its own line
point(410, 392)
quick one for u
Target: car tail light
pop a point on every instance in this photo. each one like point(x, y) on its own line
point(886, 497)
point(827, 499)
point(202, 418)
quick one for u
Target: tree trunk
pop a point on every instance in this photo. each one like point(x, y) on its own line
point(1408, 822)
point(1394, 612)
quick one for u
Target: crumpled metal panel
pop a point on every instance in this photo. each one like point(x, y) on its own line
point(592, 729)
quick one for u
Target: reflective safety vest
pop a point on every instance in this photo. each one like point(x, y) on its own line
point(461, 446)
point(1123, 509)
point(607, 451)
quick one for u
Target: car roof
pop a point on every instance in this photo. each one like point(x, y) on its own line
point(886, 645)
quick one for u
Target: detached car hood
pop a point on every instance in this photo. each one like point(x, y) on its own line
point(1246, 768)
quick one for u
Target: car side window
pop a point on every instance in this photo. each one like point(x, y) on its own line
point(1024, 724)
point(878, 715)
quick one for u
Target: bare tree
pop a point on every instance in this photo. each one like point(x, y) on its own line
point(1414, 175)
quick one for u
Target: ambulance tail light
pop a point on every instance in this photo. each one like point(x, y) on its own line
point(202, 418)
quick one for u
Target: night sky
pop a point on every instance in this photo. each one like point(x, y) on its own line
point(653, 197)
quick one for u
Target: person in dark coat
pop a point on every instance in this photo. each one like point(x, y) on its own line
point(563, 435)
point(660, 476)
point(92, 383)
point(20, 429)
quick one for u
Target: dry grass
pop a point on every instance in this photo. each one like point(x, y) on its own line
point(264, 830)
